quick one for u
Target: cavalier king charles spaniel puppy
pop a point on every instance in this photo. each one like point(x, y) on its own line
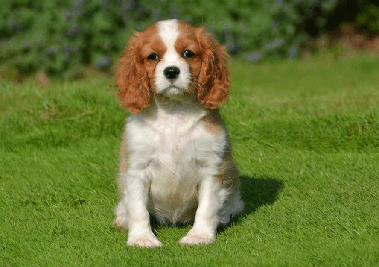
point(176, 158)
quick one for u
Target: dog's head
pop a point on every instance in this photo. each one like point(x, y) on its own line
point(172, 58)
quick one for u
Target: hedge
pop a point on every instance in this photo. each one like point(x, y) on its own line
point(61, 37)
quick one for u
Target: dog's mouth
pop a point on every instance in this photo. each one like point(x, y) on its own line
point(172, 91)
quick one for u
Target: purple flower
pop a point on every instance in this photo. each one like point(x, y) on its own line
point(286, 9)
point(233, 48)
point(310, 10)
point(78, 4)
point(107, 4)
point(255, 56)
point(173, 13)
point(13, 25)
point(278, 42)
point(66, 15)
point(68, 49)
point(156, 15)
point(123, 16)
point(73, 31)
point(292, 52)
point(275, 24)
point(50, 51)
point(104, 62)
point(141, 13)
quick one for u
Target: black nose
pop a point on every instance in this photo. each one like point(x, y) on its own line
point(171, 72)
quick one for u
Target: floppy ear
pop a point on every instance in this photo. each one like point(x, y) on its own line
point(213, 80)
point(132, 79)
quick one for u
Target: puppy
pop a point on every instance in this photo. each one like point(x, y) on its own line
point(176, 159)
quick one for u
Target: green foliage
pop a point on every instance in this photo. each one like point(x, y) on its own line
point(60, 37)
point(369, 16)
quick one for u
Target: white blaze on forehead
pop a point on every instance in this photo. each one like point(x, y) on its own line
point(169, 32)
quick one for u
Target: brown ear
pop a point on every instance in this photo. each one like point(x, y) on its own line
point(132, 79)
point(213, 80)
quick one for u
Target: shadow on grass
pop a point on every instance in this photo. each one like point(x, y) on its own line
point(256, 192)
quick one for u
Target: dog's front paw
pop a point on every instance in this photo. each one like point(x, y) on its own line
point(144, 241)
point(197, 238)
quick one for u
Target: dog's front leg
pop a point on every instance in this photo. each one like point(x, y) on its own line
point(211, 198)
point(139, 229)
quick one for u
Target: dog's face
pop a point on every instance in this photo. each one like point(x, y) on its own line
point(172, 58)
point(178, 61)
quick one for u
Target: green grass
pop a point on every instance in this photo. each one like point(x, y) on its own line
point(305, 137)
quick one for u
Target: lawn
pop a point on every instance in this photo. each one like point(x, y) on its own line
point(305, 136)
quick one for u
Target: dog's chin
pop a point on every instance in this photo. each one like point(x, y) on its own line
point(174, 92)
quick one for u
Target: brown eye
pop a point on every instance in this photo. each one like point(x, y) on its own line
point(188, 54)
point(153, 56)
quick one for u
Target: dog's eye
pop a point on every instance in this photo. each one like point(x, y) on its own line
point(153, 56)
point(188, 54)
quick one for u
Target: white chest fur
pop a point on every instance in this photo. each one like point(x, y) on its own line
point(168, 143)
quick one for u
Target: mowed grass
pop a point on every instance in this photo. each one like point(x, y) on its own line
point(305, 137)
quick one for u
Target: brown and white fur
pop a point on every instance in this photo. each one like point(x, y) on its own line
point(176, 161)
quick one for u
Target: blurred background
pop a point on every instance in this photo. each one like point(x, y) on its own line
point(73, 38)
